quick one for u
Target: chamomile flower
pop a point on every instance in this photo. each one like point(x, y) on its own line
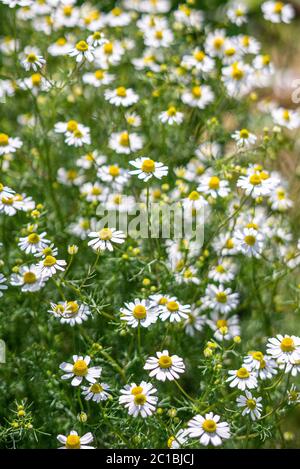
point(157, 38)
point(255, 183)
point(10, 205)
point(79, 370)
point(139, 399)
point(147, 168)
point(105, 238)
point(278, 12)
point(121, 96)
point(33, 243)
point(96, 39)
point(284, 349)
point(20, 3)
point(244, 138)
point(96, 392)
point(139, 312)
point(286, 118)
point(60, 47)
point(133, 119)
point(264, 366)
point(214, 186)
point(125, 143)
point(113, 174)
point(194, 322)
point(31, 59)
point(198, 96)
point(50, 265)
point(208, 429)
point(225, 328)
point(172, 310)
point(109, 54)
point(236, 78)
point(214, 43)
point(117, 18)
point(165, 367)
point(94, 192)
point(171, 116)
point(249, 241)
point(220, 299)
point(279, 199)
point(251, 405)
point(28, 278)
point(79, 137)
point(6, 191)
point(9, 144)
point(223, 272)
point(2, 284)
point(237, 13)
point(176, 441)
point(98, 78)
point(70, 312)
point(199, 61)
point(243, 378)
point(293, 395)
point(82, 51)
point(73, 441)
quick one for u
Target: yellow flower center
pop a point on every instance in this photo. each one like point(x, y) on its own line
point(3, 140)
point(255, 179)
point(117, 199)
point(257, 356)
point(173, 306)
point(29, 277)
point(194, 195)
point(229, 243)
point(80, 368)
point(82, 46)
point(148, 166)
point(96, 388)
point(218, 42)
point(139, 312)
point(78, 134)
point(165, 361)
point(116, 11)
point(250, 240)
point(33, 238)
point(108, 48)
point(286, 115)
point(221, 297)
point(251, 404)
point(172, 111)
point(31, 58)
point(221, 323)
point(61, 41)
point(105, 234)
point(124, 139)
point(214, 182)
point(7, 200)
point(36, 79)
point(266, 59)
point(140, 399)
point(278, 7)
point(163, 301)
point(230, 51)
point(220, 269)
point(199, 55)
point(97, 35)
point(99, 74)
point(244, 133)
point(121, 92)
point(287, 344)
point(197, 91)
point(236, 72)
point(68, 10)
point(96, 191)
point(159, 34)
point(246, 41)
point(136, 390)
point(242, 373)
point(73, 307)
point(49, 261)
point(73, 442)
point(209, 426)
point(280, 194)
point(72, 125)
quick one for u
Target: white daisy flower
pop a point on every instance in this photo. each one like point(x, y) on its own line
point(224, 328)
point(293, 395)
point(79, 370)
point(194, 322)
point(209, 429)
point(79, 137)
point(244, 138)
point(98, 78)
point(60, 47)
point(105, 238)
point(278, 12)
point(264, 366)
point(125, 143)
point(199, 96)
point(214, 43)
point(35, 83)
point(220, 299)
point(109, 54)
point(66, 127)
point(113, 174)
point(117, 18)
point(186, 274)
point(50, 265)
point(28, 278)
point(243, 378)
point(251, 405)
point(279, 200)
point(286, 118)
point(176, 441)
point(147, 168)
point(199, 61)
point(70, 312)
point(94, 192)
point(6, 191)
point(133, 119)
point(248, 44)
point(237, 79)
point(73, 441)
point(121, 203)
point(213, 186)
point(256, 183)
point(96, 392)
point(2, 284)
point(82, 51)
point(170, 309)
point(96, 39)
point(31, 59)
point(139, 312)
point(33, 243)
point(9, 144)
point(223, 272)
point(249, 241)
point(165, 367)
point(189, 17)
point(121, 96)
point(10, 205)
point(171, 116)
point(139, 399)
point(284, 349)
point(157, 38)
point(20, 3)
point(237, 13)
